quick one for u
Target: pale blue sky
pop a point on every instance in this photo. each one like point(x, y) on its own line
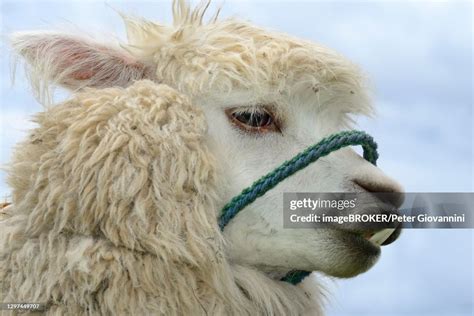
point(419, 58)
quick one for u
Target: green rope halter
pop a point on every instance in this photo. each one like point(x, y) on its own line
point(300, 161)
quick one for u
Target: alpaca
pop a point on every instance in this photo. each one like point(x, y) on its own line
point(117, 192)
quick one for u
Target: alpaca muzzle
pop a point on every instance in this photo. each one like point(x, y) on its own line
point(323, 148)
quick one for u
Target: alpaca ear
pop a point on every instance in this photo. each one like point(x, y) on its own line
point(75, 62)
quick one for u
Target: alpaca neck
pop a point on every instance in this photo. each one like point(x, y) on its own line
point(267, 295)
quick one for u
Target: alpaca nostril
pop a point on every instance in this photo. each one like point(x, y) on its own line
point(389, 192)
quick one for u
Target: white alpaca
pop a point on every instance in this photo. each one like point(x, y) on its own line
point(265, 97)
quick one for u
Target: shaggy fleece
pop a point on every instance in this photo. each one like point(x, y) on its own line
point(114, 212)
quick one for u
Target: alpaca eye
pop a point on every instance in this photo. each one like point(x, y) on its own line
point(254, 120)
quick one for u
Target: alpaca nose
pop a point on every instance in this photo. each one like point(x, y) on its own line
point(387, 190)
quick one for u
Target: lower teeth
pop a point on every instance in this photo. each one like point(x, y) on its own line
point(380, 237)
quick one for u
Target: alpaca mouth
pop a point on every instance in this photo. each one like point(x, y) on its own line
point(359, 250)
point(368, 243)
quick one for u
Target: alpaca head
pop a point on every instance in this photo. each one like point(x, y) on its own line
point(266, 96)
